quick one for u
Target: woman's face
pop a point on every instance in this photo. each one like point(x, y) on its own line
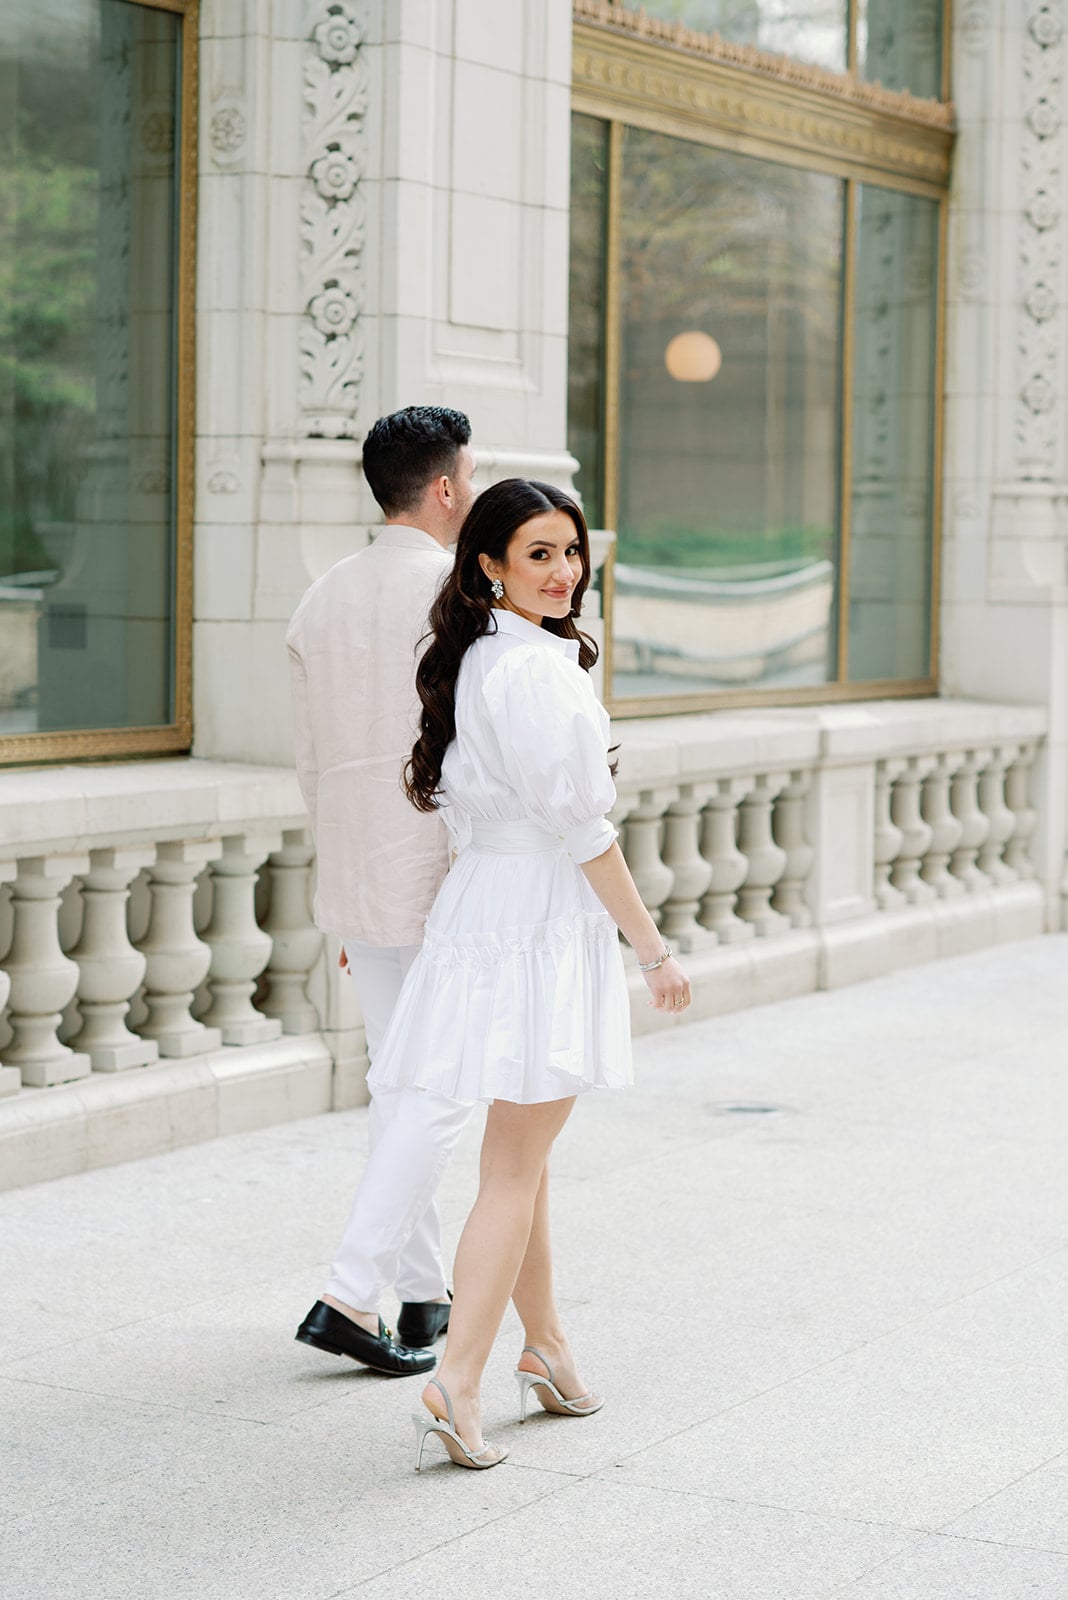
point(541, 567)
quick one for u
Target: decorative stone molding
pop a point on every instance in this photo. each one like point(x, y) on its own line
point(332, 219)
point(638, 24)
point(1039, 411)
point(228, 129)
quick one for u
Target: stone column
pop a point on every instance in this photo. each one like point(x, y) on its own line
point(295, 940)
point(1017, 798)
point(354, 160)
point(240, 948)
point(719, 846)
point(111, 969)
point(974, 825)
point(43, 979)
point(788, 830)
point(765, 860)
point(1000, 820)
point(177, 961)
point(945, 828)
point(10, 1077)
point(691, 873)
point(915, 832)
point(1004, 610)
point(888, 836)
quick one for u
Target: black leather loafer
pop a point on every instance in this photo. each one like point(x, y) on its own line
point(422, 1322)
point(338, 1335)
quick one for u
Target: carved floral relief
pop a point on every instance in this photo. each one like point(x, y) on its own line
point(332, 218)
point(1040, 252)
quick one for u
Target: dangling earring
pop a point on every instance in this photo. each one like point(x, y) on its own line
point(497, 589)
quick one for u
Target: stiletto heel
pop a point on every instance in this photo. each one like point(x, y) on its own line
point(548, 1395)
point(455, 1448)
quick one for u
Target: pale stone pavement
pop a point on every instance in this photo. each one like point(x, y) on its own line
point(817, 1261)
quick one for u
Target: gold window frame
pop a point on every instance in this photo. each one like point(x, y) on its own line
point(630, 72)
point(94, 744)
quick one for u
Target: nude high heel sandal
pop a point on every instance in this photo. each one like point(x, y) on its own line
point(548, 1394)
point(425, 1423)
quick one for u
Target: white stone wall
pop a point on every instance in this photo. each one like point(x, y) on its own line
point(1004, 608)
point(383, 222)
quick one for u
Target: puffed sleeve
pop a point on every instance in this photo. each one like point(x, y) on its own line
point(553, 736)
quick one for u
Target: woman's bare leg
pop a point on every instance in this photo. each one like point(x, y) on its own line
point(515, 1148)
point(534, 1300)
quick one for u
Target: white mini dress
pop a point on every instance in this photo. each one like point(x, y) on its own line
point(518, 992)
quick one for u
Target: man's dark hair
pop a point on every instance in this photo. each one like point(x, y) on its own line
point(409, 449)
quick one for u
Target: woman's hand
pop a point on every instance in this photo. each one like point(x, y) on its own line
point(669, 987)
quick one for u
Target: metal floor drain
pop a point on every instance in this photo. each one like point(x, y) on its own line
point(746, 1108)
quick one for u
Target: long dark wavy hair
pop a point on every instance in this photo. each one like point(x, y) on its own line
point(463, 612)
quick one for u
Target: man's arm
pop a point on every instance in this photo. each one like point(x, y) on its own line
point(303, 741)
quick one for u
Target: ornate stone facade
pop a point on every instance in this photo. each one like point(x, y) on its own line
point(1039, 418)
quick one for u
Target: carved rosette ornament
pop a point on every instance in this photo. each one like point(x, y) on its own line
point(1040, 319)
point(332, 218)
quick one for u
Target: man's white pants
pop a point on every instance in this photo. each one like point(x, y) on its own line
point(393, 1235)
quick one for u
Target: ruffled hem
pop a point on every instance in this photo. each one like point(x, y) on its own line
point(526, 1014)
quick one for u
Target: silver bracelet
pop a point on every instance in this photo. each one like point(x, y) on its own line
point(651, 966)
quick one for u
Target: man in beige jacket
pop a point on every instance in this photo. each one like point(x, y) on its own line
point(353, 647)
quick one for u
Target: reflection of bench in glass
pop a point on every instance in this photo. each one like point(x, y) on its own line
point(741, 630)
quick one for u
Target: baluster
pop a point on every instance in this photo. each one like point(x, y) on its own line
point(719, 846)
point(915, 833)
point(1017, 798)
point(111, 969)
point(974, 825)
point(43, 979)
point(887, 836)
point(944, 826)
point(240, 949)
point(691, 873)
point(652, 878)
point(788, 831)
point(295, 940)
point(765, 860)
point(1000, 819)
point(177, 961)
point(10, 1077)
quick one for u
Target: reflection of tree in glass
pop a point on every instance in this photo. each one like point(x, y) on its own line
point(742, 469)
point(809, 30)
point(711, 239)
point(48, 246)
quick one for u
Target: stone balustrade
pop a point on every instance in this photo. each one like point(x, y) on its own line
point(161, 979)
point(786, 850)
point(157, 930)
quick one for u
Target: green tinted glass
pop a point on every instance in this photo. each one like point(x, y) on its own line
point(88, 194)
point(729, 472)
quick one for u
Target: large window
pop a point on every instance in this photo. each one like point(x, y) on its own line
point(754, 366)
point(94, 377)
point(898, 43)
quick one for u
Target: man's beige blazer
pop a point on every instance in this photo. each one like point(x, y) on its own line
point(353, 648)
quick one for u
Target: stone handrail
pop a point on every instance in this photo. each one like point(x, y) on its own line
point(160, 911)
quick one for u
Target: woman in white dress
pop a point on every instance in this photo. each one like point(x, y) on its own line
point(518, 996)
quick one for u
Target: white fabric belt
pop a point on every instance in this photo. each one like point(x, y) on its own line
point(514, 838)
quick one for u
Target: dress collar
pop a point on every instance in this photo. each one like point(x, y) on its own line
point(533, 633)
